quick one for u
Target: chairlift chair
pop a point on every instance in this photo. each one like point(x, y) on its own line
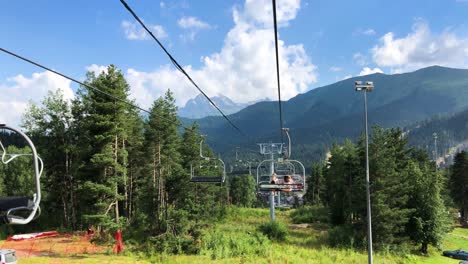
point(296, 171)
point(281, 167)
point(29, 206)
point(215, 162)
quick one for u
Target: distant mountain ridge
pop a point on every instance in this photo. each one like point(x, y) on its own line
point(330, 113)
point(200, 107)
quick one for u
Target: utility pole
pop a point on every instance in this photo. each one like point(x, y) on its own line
point(435, 149)
point(367, 87)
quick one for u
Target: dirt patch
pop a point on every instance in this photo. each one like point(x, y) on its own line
point(299, 226)
point(49, 246)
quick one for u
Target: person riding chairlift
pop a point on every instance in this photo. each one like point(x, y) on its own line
point(274, 180)
point(287, 180)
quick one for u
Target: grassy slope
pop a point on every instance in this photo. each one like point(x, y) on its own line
point(303, 245)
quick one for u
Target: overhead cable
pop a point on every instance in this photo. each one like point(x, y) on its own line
point(73, 80)
point(277, 70)
point(179, 67)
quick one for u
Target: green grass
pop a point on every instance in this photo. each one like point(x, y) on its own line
point(237, 240)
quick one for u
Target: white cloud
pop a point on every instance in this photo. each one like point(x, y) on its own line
point(366, 32)
point(347, 77)
point(360, 59)
point(260, 12)
point(335, 69)
point(244, 67)
point(420, 48)
point(97, 69)
point(17, 91)
point(367, 71)
point(134, 31)
point(369, 32)
point(192, 23)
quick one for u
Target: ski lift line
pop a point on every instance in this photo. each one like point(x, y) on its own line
point(72, 79)
point(231, 145)
point(179, 67)
point(277, 70)
point(83, 84)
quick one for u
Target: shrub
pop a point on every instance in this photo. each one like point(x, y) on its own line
point(346, 236)
point(274, 230)
point(167, 243)
point(219, 244)
point(310, 214)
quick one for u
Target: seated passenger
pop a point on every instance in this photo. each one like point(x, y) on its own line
point(288, 180)
point(274, 179)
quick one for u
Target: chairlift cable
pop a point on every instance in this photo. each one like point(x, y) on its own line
point(277, 70)
point(86, 85)
point(73, 80)
point(180, 68)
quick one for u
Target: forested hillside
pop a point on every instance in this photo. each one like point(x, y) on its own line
point(452, 132)
point(334, 112)
point(109, 167)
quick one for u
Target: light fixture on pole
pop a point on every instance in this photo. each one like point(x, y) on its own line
point(367, 87)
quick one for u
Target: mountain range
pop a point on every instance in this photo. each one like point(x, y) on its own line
point(200, 107)
point(331, 113)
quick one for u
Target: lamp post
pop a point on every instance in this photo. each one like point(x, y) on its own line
point(435, 149)
point(367, 87)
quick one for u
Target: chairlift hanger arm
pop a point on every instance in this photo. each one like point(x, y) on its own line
point(15, 204)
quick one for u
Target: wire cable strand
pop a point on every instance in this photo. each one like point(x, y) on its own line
point(179, 67)
point(91, 87)
point(73, 80)
point(277, 70)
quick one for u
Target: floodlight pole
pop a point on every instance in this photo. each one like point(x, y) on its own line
point(435, 150)
point(368, 86)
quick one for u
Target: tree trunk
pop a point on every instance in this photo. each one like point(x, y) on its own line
point(464, 214)
point(116, 142)
point(130, 195)
point(124, 163)
point(424, 248)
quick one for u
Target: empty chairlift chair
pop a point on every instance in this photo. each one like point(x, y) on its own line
point(212, 165)
point(21, 210)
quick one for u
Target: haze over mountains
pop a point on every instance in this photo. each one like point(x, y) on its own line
point(333, 112)
point(200, 107)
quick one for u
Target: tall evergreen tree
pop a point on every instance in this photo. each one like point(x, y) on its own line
point(389, 185)
point(162, 160)
point(51, 127)
point(104, 133)
point(459, 184)
point(242, 190)
point(315, 186)
point(429, 221)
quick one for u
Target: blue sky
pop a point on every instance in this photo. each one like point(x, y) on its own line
point(226, 45)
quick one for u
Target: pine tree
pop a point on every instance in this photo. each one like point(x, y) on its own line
point(103, 137)
point(315, 186)
point(51, 126)
point(242, 190)
point(459, 184)
point(163, 168)
point(429, 221)
point(344, 185)
point(389, 185)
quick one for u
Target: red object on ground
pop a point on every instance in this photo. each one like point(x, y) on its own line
point(32, 236)
point(118, 242)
